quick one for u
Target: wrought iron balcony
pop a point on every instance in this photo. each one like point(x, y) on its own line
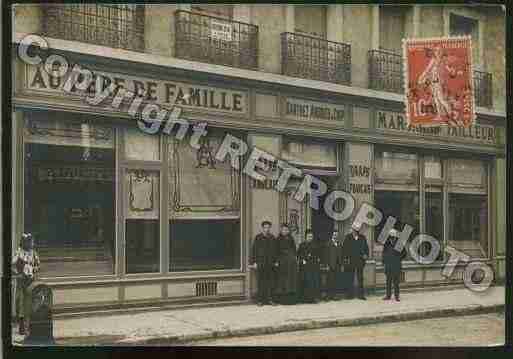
point(216, 40)
point(483, 88)
point(386, 71)
point(315, 58)
point(119, 26)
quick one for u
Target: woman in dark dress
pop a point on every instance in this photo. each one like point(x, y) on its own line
point(309, 270)
point(286, 281)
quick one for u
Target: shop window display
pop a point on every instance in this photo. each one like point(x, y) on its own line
point(69, 195)
point(204, 206)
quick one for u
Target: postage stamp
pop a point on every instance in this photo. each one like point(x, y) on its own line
point(439, 81)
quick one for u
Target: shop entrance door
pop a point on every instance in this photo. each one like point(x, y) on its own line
point(322, 224)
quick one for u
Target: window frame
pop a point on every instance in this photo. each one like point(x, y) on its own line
point(444, 185)
point(19, 145)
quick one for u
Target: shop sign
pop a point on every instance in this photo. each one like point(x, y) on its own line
point(75, 173)
point(297, 109)
point(362, 173)
point(165, 93)
point(395, 122)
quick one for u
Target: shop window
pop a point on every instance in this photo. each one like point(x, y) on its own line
point(310, 20)
point(69, 194)
point(397, 193)
point(204, 206)
point(142, 231)
point(468, 207)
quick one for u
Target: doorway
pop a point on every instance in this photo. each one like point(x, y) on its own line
point(322, 225)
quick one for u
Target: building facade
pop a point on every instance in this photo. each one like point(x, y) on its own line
point(124, 218)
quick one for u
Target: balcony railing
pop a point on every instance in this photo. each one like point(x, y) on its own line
point(483, 88)
point(315, 58)
point(216, 40)
point(119, 26)
point(386, 74)
point(386, 71)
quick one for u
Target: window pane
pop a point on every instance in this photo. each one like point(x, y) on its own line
point(404, 207)
point(432, 167)
point(468, 224)
point(434, 220)
point(204, 244)
point(141, 146)
point(462, 171)
point(70, 196)
point(142, 232)
point(310, 19)
point(396, 166)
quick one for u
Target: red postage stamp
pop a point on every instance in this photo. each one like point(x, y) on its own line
point(439, 81)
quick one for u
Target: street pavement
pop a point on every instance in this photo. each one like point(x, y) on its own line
point(186, 325)
point(474, 330)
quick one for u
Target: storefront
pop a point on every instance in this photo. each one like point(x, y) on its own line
point(124, 218)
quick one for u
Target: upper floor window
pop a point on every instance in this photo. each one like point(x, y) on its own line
point(224, 11)
point(120, 26)
point(310, 20)
point(461, 25)
point(391, 27)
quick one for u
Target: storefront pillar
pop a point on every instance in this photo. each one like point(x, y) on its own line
point(264, 200)
point(358, 173)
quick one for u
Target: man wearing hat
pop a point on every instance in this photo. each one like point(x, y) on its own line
point(264, 258)
point(392, 262)
point(26, 265)
point(355, 252)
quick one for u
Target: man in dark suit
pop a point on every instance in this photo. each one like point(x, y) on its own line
point(355, 251)
point(332, 260)
point(264, 259)
point(392, 262)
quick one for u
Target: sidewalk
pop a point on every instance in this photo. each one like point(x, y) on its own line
point(178, 326)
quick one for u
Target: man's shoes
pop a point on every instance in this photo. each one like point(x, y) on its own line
point(397, 299)
point(362, 297)
point(260, 304)
point(386, 298)
point(273, 303)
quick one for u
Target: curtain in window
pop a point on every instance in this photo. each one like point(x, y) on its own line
point(68, 133)
point(310, 154)
point(200, 185)
point(467, 172)
point(396, 166)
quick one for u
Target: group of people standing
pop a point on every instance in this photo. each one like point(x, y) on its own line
point(287, 275)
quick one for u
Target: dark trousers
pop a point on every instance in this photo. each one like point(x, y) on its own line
point(265, 285)
point(332, 285)
point(393, 278)
point(359, 275)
